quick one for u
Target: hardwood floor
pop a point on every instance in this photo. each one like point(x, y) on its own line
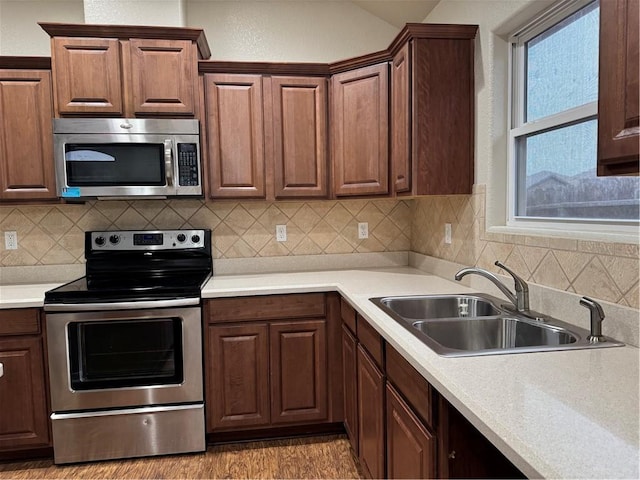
point(313, 457)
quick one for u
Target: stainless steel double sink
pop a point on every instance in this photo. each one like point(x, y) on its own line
point(478, 324)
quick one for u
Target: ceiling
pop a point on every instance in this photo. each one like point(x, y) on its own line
point(398, 12)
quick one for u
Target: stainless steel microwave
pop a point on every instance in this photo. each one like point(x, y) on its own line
point(121, 157)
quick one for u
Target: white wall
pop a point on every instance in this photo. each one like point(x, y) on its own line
point(496, 20)
point(242, 30)
point(20, 33)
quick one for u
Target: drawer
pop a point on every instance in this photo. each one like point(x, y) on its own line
point(266, 307)
point(20, 321)
point(348, 315)
point(413, 386)
point(371, 340)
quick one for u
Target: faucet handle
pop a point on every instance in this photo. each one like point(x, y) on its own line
point(521, 287)
point(597, 316)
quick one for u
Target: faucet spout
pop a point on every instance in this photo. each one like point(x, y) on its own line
point(490, 276)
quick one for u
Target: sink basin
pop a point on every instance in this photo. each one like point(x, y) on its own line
point(439, 306)
point(470, 325)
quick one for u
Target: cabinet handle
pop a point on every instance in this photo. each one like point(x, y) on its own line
point(1, 370)
point(452, 455)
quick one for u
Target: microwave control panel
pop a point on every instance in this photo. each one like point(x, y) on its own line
point(188, 172)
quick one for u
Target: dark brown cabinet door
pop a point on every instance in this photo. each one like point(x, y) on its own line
point(360, 131)
point(163, 76)
point(410, 446)
point(350, 386)
point(26, 139)
point(370, 416)
point(297, 111)
point(618, 101)
point(24, 421)
point(298, 351)
point(238, 376)
point(235, 136)
point(401, 120)
point(88, 76)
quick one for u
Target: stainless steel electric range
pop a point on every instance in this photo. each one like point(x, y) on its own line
point(125, 347)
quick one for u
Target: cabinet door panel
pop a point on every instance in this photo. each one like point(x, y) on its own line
point(238, 390)
point(401, 120)
point(350, 386)
point(87, 74)
point(235, 136)
point(298, 371)
point(410, 446)
point(618, 118)
point(26, 139)
point(371, 416)
point(24, 420)
point(360, 131)
point(162, 77)
point(299, 136)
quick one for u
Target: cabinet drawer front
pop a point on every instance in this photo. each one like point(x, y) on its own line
point(371, 340)
point(20, 321)
point(267, 307)
point(348, 314)
point(410, 384)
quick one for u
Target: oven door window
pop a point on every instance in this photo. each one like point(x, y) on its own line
point(128, 353)
point(114, 164)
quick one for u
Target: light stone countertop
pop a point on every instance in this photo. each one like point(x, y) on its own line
point(571, 414)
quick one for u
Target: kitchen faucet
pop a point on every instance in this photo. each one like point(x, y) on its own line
point(521, 298)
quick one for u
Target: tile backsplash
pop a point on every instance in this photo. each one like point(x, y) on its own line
point(604, 270)
point(54, 235)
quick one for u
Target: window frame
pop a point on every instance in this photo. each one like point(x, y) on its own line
point(519, 128)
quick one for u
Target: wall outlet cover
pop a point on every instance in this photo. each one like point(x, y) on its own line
point(363, 230)
point(10, 240)
point(281, 233)
point(447, 233)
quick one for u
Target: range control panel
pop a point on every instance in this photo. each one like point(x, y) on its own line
point(148, 240)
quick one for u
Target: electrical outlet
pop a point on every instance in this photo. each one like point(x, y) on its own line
point(363, 230)
point(10, 240)
point(447, 233)
point(281, 233)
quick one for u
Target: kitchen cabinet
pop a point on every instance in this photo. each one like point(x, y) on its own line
point(360, 131)
point(125, 71)
point(24, 423)
point(432, 111)
point(350, 386)
point(267, 136)
point(618, 102)
point(26, 139)
point(268, 364)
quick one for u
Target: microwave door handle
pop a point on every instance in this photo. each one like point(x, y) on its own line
point(168, 161)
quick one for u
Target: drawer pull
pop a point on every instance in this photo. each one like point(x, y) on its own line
point(1, 370)
point(452, 455)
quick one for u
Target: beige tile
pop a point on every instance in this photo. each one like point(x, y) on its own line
point(239, 220)
point(16, 221)
point(399, 244)
point(338, 217)
point(339, 245)
point(353, 206)
point(572, 263)
point(323, 234)
point(627, 250)
point(602, 248)
point(94, 220)
point(222, 208)
point(322, 207)
point(306, 218)
point(73, 243)
point(400, 215)
point(37, 243)
point(271, 217)
point(386, 231)
point(240, 249)
point(149, 209)
point(168, 218)
point(557, 243)
point(223, 238)
point(294, 237)
point(370, 244)
point(516, 262)
point(55, 223)
point(256, 208)
point(36, 213)
point(370, 214)
point(274, 249)
point(550, 273)
point(204, 218)
point(594, 281)
point(532, 255)
point(111, 209)
point(307, 247)
point(4, 211)
point(623, 270)
point(289, 208)
point(257, 236)
point(130, 219)
point(58, 256)
point(535, 241)
point(186, 207)
point(14, 258)
point(633, 297)
point(466, 256)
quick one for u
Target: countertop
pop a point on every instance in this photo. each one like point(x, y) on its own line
point(571, 414)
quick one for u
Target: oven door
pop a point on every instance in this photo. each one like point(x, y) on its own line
point(122, 358)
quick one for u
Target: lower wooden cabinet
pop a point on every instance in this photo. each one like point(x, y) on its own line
point(24, 421)
point(370, 416)
point(410, 447)
point(350, 386)
point(268, 363)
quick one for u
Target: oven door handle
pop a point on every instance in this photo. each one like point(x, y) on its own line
point(135, 305)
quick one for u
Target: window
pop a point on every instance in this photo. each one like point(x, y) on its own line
point(554, 125)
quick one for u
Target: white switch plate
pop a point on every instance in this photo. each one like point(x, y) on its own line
point(281, 233)
point(10, 240)
point(447, 233)
point(363, 230)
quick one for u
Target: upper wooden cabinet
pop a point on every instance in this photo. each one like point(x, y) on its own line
point(432, 111)
point(618, 103)
point(26, 139)
point(125, 71)
point(267, 136)
point(360, 131)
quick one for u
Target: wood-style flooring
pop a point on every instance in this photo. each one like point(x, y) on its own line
point(313, 457)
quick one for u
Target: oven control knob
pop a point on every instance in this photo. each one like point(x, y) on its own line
point(195, 238)
point(181, 237)
point(100, 241)
point(114, 239)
